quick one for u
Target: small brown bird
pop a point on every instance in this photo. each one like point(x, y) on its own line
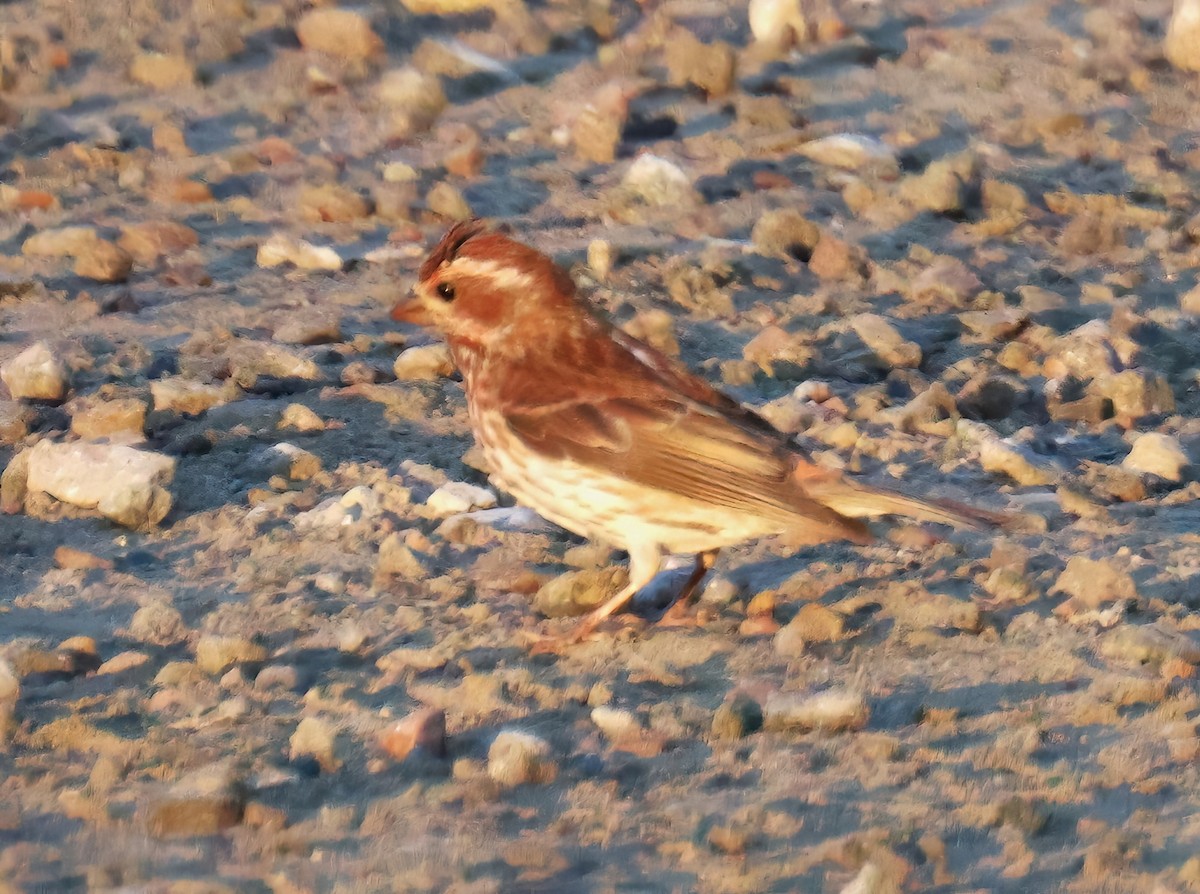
point(611, 439)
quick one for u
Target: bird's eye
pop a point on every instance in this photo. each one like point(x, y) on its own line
point(446, 291)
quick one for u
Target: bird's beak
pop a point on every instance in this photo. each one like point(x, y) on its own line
point(411, 310)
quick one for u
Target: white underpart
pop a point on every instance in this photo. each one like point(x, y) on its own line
point(501, 275)
point(599, 505)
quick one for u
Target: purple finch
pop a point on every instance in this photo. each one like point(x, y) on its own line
point(609, 438)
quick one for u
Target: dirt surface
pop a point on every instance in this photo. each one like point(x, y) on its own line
point(951, 245)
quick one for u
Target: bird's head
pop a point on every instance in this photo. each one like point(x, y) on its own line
point(478, 284)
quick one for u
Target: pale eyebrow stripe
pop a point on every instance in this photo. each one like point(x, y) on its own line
point(502, 275)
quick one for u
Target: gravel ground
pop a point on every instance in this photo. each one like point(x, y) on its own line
point(265, 627)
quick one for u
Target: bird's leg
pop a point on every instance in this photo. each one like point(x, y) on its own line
point(644, 562)
point(676, 615)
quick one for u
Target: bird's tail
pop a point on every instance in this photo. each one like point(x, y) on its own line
point(856, 500)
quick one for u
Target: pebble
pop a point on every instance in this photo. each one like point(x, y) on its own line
point(332, 203)
point(835, 258)
point(148, 241)
point(659, 182)
point(284, 249)
point(123, 417)
point(309, 328)
point(14, 484)
point(10, 694)
point(885, 341)
point(709, 65)
point(942, 187)
point(1092, 582)
point(994, 325)
point(595, 133)
point(216, 653)
point(104, 262)
point(946, 282)
point(316, 738)
point(615, 723)
point(852, 152)
point(36, 374)
point(1134, 392)
point(737, 717)
point(181, 395)
point(424, 728)
point(169, 140)
point(162, 71)
point(833, 710)
point(423, 363)
point(300, 418)
point(1155, 453)
point(784, 233)
point(277, 676)
point(69, 557)
point(159, 623)
point(454, 497)
point(205, 801)
point(60, 242)
point(290, 461)
point(14, 421)
point(1182, 43)
point(574, 593)
point(338, 32)
point(123, 661)
point(1150, 643)
point(248, 360)
point(396, 559)
point(1084, 353)
point(414, 101)
point(1002, 456)
point(516, 758)
point(448, 201)
point(815, 623)
point(777, 25)
point(125, 485)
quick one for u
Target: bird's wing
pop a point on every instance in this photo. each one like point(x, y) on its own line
point(666, 429)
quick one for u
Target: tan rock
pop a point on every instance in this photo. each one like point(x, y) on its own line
point(330, 202)
point(120, 418)
point(885, 341)
point(183, 395)
point(104, 262)
point(123, 484)
point(150, 240)
point(162, 71)
point(338, 32)
point(1182, 43)
point(1155, 453)
point(36, 374)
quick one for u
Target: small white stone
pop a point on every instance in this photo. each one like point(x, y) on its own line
point(326, 514)
point(777, 24)
point(423, 363)
point(455, 497)
point(36, 374)
point(283, 249)
point(615, 722)
point(123, 484)
point(518, 757)
point(363, 501)
point(851, 152)
point(834, 709)
point(1158, 454)
point(659, 182)
point(317, 738)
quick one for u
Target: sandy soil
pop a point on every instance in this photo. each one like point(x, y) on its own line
point(987, 291)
